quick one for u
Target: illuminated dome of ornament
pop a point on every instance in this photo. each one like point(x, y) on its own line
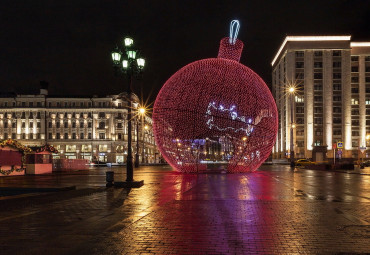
point(215, 114)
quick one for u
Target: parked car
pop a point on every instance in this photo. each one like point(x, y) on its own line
point(366, 163)
point(304, 162)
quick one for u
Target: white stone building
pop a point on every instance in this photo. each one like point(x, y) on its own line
point(331, 101)
point(79, 127)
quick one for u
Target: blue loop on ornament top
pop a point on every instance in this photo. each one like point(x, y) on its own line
point(234, 33)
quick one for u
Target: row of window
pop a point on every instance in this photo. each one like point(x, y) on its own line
point(355, 58)
point(318, 64)
point(60, 104)
point(335, 53)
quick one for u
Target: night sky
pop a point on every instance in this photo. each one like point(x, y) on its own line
point(68, 43)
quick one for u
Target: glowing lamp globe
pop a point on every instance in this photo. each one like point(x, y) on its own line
point(215, 114)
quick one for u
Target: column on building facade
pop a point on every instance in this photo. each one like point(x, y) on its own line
point(276, 97)
point(43, 127)
point(328, 99)
point(112, 127)
point(308, 101)
point(94, 123)
point(19, 124)
point(362, 103)
point(346, 101)
point(290, 79)
point(27, 126)
point(281, 85)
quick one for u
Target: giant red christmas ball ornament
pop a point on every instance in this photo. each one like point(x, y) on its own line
point(215, 113)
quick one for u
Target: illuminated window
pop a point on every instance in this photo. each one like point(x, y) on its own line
point(86, 148)
point(317, 143)
point(299, 99)
point(103, 148)
point(70, 148)
point(354, 101)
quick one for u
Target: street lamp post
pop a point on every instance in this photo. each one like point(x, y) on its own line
point(128, 64)
point(292, 125)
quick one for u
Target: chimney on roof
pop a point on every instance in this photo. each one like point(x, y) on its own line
point(44, 88)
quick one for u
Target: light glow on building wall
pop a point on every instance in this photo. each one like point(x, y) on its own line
point(360, 44)
point(308, 39)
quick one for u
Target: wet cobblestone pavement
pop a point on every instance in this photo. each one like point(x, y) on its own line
point(272, 211)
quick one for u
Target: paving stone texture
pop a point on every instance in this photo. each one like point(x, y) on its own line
point(272, 211)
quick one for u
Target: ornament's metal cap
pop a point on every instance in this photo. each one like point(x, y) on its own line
point(230, 51)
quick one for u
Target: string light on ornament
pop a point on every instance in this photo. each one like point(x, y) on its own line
point(220, 109)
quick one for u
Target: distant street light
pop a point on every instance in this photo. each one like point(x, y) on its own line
point(124, 60)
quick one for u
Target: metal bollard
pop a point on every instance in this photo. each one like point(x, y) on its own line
point(109, 177)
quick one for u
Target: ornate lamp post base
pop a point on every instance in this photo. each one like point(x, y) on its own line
point(133, 184)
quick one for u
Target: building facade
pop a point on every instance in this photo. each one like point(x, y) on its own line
point(330, 99)
point(79, 127)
